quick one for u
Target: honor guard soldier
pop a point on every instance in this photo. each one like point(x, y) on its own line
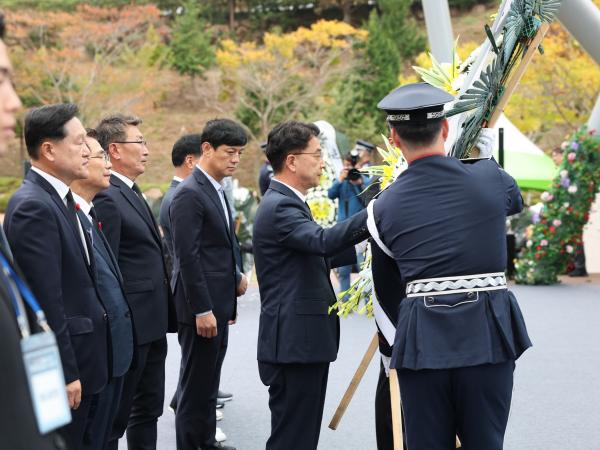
point(459, 328)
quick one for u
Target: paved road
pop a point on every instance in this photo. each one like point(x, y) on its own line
point(556, 400)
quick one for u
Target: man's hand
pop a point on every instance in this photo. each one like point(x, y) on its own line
point(243, 286)
point(74, 394)
point(206, 326)
point(343, 174)
point(233, 321)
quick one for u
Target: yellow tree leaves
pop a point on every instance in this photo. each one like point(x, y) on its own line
point(558, 91)
point(283, 77)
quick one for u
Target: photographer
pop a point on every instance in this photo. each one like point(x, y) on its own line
point(347, 189)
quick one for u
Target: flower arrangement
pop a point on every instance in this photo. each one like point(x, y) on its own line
point(557, 229)
point(359, 298)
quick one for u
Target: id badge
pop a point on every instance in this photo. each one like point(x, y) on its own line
point(46, 381)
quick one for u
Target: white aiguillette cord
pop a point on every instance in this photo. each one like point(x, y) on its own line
point(383, 321)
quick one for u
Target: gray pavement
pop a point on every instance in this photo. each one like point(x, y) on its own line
point(556, 399)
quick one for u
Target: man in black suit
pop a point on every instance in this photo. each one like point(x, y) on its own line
point(134, 238)
point(18, 426)
point(50, 246)
point(206, 281)
point(184, 157)
point(297, 338)
point(110, 283)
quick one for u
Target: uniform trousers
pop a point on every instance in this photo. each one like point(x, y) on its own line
point(296, 400)
point(201, 362)
point(142, 398)
point(472, 402)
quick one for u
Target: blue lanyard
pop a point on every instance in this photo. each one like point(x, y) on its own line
point(19, 291)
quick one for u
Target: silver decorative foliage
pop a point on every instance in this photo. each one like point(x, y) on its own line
point(522, 22)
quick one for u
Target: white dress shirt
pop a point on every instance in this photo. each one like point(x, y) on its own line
point(123, 178)
point(219, 188)
point(294, 190)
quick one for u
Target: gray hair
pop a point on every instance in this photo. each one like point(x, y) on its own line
point(113, 128)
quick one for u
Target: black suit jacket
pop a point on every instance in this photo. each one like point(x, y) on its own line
point(205, 273)
point(135, 241)
point(47, 247)
point(290, 252)
point(163, 217)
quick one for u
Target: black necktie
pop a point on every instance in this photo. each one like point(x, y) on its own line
point(143, 203)
point(94, 219)
point(145, 207)
point(86, 237)
point(71, 208)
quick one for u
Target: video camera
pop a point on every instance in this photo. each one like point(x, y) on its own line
point(353, 174)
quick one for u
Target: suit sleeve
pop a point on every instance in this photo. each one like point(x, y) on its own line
point(296, 230)
point(514, 200)
point(108, 213)
point(187, 219)
point(36, 244)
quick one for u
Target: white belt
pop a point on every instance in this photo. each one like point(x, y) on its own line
point(454, 285)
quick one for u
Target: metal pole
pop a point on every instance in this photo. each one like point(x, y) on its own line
point(439, 29)
point(581, 18)
point(594, 121)
point(501, 147)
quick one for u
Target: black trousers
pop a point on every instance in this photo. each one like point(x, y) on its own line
point(296, 400)
point(105, 406)
point(77, 432)
point(472, 402)
point(142, 399)
point(201, 362)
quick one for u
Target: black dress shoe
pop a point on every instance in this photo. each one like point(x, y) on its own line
point(220, 446)
point(578, 273)
point(224, 396)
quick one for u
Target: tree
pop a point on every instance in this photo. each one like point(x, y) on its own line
point(99, 69)
point(191, 48)
point(286, 76)
point(391, 36)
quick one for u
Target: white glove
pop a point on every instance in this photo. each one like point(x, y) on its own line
point(485, 142)
point(386, 360)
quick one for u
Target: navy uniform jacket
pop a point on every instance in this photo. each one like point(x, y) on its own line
point(442, 218)
point(47, 247)
point(290, 251)
point(135, 241)
point(264, 177)
point(205, 273)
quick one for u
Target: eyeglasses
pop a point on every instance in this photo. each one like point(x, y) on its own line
point(103, 156)
point(318, 154)
point(143, 142)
